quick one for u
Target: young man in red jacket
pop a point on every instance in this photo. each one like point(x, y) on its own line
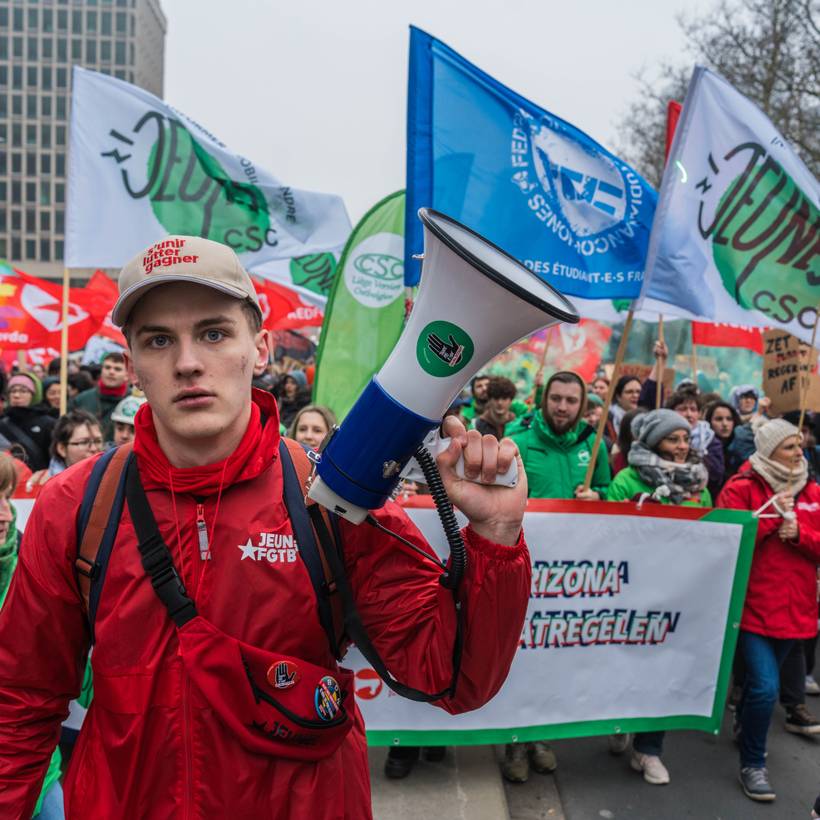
point(174, 728)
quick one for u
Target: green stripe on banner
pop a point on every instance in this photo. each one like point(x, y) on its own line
point(560, 731)
point(365, 311)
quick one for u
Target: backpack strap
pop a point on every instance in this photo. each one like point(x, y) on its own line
point(296, 470)
point(97, 524)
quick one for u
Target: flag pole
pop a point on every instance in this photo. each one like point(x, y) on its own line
point(804, 387)
point(659, 382)
point(694, 356)
point(64, 347)
point(599, 434)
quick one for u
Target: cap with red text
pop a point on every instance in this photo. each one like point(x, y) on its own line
point(183, 259)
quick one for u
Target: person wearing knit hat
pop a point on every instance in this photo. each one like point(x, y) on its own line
point(661, 468)
point(780, 609)
point(25, 423)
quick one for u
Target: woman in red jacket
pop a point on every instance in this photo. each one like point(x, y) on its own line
point(781, 599)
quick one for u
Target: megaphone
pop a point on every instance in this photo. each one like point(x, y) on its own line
point(475, 300)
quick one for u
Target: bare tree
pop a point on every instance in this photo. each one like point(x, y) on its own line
point(768, 49)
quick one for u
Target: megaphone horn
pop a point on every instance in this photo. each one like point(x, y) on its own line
point(475, 300)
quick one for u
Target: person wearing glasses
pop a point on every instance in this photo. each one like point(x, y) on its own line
point(77, 436)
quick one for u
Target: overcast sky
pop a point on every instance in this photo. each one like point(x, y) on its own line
point(316, 91)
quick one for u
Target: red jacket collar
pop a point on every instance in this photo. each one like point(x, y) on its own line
point(254, 453)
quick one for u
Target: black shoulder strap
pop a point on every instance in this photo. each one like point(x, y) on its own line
point(156, 557)
point(294, 497)
point(356, 629)
point(585, 434)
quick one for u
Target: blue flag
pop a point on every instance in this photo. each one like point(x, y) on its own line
point(528, 181)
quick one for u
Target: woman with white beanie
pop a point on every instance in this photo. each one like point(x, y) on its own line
point(781, 598)
point(662, 468)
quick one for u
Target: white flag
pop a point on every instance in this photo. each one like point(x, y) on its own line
point(736, 236)
point(140, 170)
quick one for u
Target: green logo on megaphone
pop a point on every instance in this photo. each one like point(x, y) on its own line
point(443, 349)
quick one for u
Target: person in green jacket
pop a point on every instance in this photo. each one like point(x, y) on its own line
point(478, 387)
point(661, 468)
point(50, 803)
point(556, 443)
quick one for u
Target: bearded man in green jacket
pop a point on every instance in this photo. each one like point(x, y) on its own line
point(556, 446)
point(556, 443)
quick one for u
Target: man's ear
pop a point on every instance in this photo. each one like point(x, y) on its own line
point(129, 365)
point(262, 343)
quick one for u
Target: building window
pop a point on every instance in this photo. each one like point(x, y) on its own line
point(58, 250)
point(17, 105)
point(3, 220)
point(62, 49)
point(16, 163)
point(60, 166)
point(105, 22)
point(15, 248)
point(45, 192)
point(119, 52)
point(45, 250)
point(17, 47)
point(17, 77)
point(3, 248)
point(3, 164)
point(62, 20)
point(4, 105)
point(119, 74)
point(59, 222)
point(31, 220)
point(45, 221)
point(59, 192)
point(77, 22)
point(16, 192)
point(17, 220)
point(4, 76)
point(31, 192)
point(31, 76)
point(45, 135)
point(132, 26)
point(59, 134)
point(32, 19)
point(91, 21)
point(17, 19)
point(45, 106)
point(45, 163)
point(31, 163)
point(48, 48)
point(31, 249)
point(4, 17)
point(4, 48)
point(121, 22)
point(31, 106)
point(77, 50)
point(16, 134)
point(61, 108)
point(31, 134)
point(46, 75)
point(62, 77)
point(91, 51)
point(105, 51)
point(32, 48)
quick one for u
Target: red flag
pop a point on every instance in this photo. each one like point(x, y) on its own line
point(31, 313)
point(100, 283)
point(283, 308)
point(723, 335)
point(673, 109)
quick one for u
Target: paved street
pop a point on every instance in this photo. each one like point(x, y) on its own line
point(590, 784)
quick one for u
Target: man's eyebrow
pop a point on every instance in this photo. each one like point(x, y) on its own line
point(202, 323)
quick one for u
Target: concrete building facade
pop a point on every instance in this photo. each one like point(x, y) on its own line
point(40, 40)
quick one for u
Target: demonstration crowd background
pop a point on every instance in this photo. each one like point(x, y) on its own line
point(701, 448)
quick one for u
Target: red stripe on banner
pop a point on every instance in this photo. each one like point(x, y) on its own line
point(559, 505)
point(724, 335)
point(673, 109)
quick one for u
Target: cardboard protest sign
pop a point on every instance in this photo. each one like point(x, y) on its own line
point(789, 365)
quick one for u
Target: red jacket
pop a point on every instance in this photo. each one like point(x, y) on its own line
point(781, 600)
point(150, 747)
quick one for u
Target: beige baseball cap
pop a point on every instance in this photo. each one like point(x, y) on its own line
point(182, 259)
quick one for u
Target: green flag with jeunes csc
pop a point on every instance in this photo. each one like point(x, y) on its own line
point(365, 311)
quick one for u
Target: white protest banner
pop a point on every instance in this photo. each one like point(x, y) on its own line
point(140, 169)
point(631, 626)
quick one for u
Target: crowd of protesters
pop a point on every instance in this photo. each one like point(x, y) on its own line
point(697, 450)
point(694, 449)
